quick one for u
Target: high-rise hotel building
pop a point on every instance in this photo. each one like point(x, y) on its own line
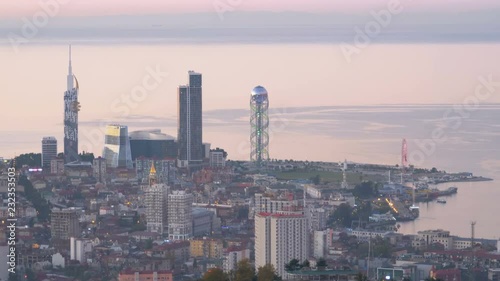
point(190, 126)
point(117, 147)
point(49, 151)
point(279, 238)
point(155, 198)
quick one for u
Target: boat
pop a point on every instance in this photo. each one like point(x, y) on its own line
point(441, 201)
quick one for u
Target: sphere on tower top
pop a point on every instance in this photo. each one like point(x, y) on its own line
point(259, 95)
point(259, 91)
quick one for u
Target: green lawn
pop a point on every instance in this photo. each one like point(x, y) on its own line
point(326, 176)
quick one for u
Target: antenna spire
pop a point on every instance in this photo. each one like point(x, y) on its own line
point(70, 72)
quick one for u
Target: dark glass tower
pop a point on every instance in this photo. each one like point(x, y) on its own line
point(71, 108)
point(190, 131)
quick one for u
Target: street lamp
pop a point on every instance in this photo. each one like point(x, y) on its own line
point(387, 277)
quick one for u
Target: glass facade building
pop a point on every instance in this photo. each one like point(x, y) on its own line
point(190, 125)
point(49, 151)
point(117, 147)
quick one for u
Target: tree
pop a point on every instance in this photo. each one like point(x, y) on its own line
point(292, 265)
point(321, 263)
point(342, 215)
point(365, 190)
point(267, 273)
point(316, 179)
point(29, 159)
point(434, 170)
point(215, 274)
point(305, 263)
point(244, 271)
point(361, 277)
point(86, 157)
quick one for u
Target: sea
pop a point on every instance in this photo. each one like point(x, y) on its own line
point(442, 97)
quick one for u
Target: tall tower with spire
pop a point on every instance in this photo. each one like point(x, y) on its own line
point(71, 109)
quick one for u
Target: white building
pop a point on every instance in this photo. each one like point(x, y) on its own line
point(49, 151)
point(79, 248)
point(58, 260)
point(365, 235)
point(57, 167)
point(180, 215)
point(217, 159)
point(268, 203)
point(319, 244)
point(233, 255)
point(279, 238)
point(155, 199)
point(317, 218)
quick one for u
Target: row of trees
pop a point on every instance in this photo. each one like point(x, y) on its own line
point(39, 203)
point(244, 272)
point(35, 159)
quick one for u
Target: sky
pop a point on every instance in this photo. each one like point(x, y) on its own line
point(79, 8)
point(18, 8)
point(293, 48)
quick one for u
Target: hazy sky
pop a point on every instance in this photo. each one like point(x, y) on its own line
point(18, 8)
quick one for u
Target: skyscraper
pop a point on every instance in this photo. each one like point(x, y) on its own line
point(190, 130)
point(71, 108)
point(117, 147)
point(49, 151)
point(155, 198)
point(259, 125)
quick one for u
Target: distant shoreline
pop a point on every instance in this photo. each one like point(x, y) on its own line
point(473, 179)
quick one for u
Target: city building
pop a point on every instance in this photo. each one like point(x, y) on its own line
point(202, 222)
point(279, 238)
point(99, 167)
point(57, 167)
point(165, 169)
point(317, 218)
point(152, 144)
point(319, 243)
point(206, 247)
point(64, 223)
point(190, 125)
point(155, 199)
point(425, 238)
point(233, 255)
point(49, 151)
point(205, 150)
point(217, 158)
point(145, 275)
point(180, 215)
point(259, 125)
point(271, 203)
point(117, 147)
point(79, 248)
point(71, 109)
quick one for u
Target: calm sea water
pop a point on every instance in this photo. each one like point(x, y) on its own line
point(322, 106)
